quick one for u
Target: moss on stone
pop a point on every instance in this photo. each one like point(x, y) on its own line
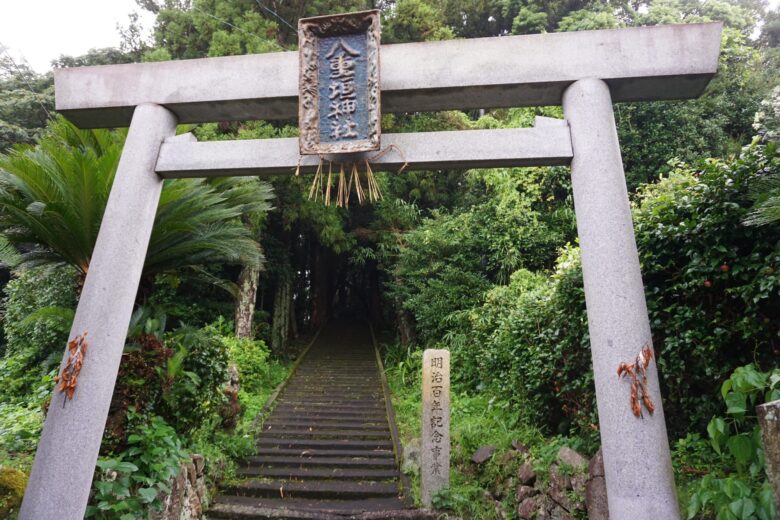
point(12, 485)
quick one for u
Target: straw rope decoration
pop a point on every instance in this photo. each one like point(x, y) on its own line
point(323, 188)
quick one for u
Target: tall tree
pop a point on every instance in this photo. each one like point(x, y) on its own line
point(26, 101)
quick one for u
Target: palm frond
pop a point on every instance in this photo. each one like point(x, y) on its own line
point(53, 195)
point(9, 256)
point(765, 191)
point(62, 315)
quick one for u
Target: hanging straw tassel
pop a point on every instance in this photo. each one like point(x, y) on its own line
point(298, 166)
point(314, 192)
point(374, 193)
point(322, 175)
point(358, 186)
point(330, 183)
point(342, 199)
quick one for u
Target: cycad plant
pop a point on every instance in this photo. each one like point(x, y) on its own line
point(765, 150)
point(53, 194)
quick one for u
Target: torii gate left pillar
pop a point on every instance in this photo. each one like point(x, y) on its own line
point(585, 71)
point(67, 452)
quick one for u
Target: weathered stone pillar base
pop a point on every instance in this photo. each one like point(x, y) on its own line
point(769, 420)
point(65, 461)
point(637, 462)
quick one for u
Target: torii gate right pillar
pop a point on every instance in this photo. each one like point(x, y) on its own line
point(637, 461)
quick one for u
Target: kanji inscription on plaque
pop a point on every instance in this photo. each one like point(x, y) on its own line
point(339, 109)
point(435, 467)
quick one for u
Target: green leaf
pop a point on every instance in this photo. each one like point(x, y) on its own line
point(741, 446)
point(147, 495)
point(743, 508)
point(737, 403)
point(126, 467)
point(106, 463)
point(726, 388)
point(717, 431)
point(694, 504)
point(104, 488)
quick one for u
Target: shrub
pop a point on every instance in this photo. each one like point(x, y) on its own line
point(738, 488)
point(712, 283)
point(20, 427)
point(32, 290)
point(536, 347)
point(129, 483)
point(251, 360)
point(447, 264)
point(195, 376)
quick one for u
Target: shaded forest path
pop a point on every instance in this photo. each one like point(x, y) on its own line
point(327, 449)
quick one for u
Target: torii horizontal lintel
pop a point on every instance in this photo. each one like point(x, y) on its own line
point(638, 64)
point(548, 144)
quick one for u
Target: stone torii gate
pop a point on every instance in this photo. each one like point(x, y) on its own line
point(584, 71)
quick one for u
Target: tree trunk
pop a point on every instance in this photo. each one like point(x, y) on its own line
point(320, 287)
point(405, 327)
point(280, 327)
point(375, 295)
point(248, 281)
point(293, 319)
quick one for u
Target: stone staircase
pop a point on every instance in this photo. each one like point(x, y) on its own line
point(326, 450)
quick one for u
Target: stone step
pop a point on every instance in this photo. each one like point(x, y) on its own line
point(295, 433)
point(318, 473)
point(253, 508)
point(346, 381)
point(325, 451)
point(333, 444)
point(313, 408)
point(297, 452)
point(313, 489)
point(330, 416)
point(334, 402)
point(343, 462)
point(310, 424)
point(328, 394)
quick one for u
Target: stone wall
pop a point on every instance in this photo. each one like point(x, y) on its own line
point(188, 493)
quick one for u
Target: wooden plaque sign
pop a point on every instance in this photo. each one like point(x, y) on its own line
point(339, 108)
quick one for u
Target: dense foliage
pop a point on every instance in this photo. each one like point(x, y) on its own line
point(711, 282)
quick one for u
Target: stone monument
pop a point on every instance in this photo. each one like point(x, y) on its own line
point(435, 456)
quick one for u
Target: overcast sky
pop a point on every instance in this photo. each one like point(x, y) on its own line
point(39, 31)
